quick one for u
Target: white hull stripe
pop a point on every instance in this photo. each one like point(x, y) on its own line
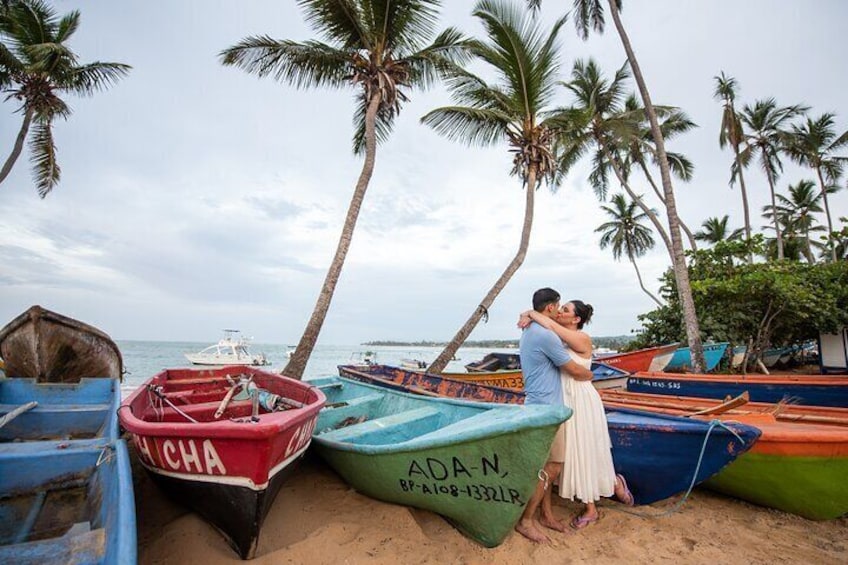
point(227, 479)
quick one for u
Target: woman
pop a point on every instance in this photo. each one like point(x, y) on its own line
point(588, 472)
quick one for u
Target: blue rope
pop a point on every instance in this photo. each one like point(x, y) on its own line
point(679, 503)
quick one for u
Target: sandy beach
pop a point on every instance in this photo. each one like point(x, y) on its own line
point(318, 519)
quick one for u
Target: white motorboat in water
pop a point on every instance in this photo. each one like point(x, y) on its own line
point(232, 349)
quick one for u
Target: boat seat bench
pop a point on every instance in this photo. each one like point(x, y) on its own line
point(400, 427)
point(353, 408)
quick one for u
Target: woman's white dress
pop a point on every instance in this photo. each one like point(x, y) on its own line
point(588, 472)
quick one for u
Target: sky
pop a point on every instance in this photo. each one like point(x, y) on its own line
point(195, 197)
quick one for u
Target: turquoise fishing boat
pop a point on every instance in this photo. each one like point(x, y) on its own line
point(682, 358)
point(476, 464)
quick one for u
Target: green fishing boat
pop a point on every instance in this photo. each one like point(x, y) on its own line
point(476, 464)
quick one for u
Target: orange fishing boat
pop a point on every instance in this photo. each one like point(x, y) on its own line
point(798, 465)
point(649, 359)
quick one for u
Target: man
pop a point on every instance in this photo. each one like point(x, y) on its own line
point(542, 355)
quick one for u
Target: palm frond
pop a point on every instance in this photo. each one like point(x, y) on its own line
point(339, 21)
point(304, 65)
point(45, 169)
point(93, 77)
point(474, 126)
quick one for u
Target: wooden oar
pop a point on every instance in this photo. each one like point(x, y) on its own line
point(724, 406)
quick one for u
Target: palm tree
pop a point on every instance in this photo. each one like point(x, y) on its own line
point(732, 133)
point(797, 213)
point(590, 14)
point(616, 127)
point(766, 123)
point(716, 230)
point(375, 46)
point(36, 68)
point(813, 144)
point(515, 109)
point(626, 234)
point(674, 122)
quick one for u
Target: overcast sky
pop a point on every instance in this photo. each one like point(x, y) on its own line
point(196, 197)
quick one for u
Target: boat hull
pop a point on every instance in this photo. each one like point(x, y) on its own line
point(640, 360)
point(228, 469)
point(657, 454)
point(682, 358)
point(802, 485)
point(474, 464)
point(237, 512)
point(814, 390)
point(49, 347)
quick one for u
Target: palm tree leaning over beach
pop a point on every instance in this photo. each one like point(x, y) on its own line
point(813, 144)
point(36, 68)
point(515, 109)
point(731, 133)
point(766, 123)
point(377, 47)
point(589, 14)
point(626, 234)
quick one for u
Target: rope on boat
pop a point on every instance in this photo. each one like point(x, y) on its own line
point(17, 412)
point(679, 503)
point(156, 392)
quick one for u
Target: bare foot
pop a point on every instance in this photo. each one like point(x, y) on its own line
point(553, 523)
point(528, 529)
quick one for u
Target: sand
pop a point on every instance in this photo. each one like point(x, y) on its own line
point(318, 519)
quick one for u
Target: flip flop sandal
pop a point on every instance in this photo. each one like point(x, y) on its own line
point(581, 521)
point(627, 499)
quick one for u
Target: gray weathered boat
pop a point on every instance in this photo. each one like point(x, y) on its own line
point(49, 347)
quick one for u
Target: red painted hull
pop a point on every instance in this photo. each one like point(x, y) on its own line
point(639, 360)
point(237, 462)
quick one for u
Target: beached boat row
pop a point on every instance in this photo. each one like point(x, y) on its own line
point(222, 441)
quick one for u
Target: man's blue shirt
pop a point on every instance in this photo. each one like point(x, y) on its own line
point(542, 354)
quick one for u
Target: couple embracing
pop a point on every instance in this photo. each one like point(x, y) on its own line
point(556, 360)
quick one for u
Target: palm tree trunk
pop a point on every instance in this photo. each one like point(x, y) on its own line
point(619, 174)
point(19, 145)
point(692, 242)
point(451, 348)
point(641, 284)
point(681, 273)
point(774, 215)
point(744, 200)
point(827, 213)
point(297, 364)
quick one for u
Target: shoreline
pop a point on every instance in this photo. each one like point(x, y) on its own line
point(319, 519)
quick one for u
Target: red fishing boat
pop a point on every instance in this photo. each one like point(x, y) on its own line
point(222, 441)
point(649, 359)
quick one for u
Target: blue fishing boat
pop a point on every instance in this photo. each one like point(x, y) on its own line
point(658, 454)
point(476, 464)
point(682, 358)
point(66, 492)
point(66, 488)
point(812, 390)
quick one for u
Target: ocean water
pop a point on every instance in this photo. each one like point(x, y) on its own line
point(143, 359)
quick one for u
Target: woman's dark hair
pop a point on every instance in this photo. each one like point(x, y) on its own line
point(583, 311)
